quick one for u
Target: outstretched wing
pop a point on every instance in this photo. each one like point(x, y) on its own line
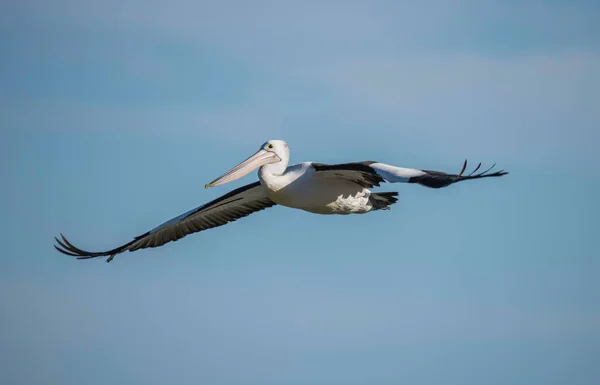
point(369, 174)
point(228, 208)
point(433, 179)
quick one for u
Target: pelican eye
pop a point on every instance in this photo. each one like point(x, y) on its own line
point(270, 146)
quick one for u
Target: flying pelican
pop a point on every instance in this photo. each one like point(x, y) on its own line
point(314, 187)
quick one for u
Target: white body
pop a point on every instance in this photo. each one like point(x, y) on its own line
point(300, 187)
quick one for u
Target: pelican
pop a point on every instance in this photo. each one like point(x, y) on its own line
point(314, 187)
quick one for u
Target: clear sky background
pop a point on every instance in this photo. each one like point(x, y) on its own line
point(114, 114)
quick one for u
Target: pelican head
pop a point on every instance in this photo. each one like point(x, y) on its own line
point(275, 152)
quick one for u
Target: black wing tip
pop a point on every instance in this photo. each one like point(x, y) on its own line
point(67, 248)
point(464, 167)
point(483, 174)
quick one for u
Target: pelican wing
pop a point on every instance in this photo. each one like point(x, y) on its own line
point(359, 172)
point(369, 174)
point(228, 208)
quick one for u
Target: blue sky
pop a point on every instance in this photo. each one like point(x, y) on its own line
point(114, 116)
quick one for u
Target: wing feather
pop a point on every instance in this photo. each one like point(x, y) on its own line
point(230, 207)
point(428, 178)
point(369, 174)
point(359, 172)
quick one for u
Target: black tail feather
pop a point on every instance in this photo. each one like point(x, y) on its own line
point(383, 200)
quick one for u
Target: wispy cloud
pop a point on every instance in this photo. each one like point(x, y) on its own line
point(445, 78)
point(538, 104)
point(333, 27)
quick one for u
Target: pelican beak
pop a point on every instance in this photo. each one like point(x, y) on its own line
point(260, 158)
